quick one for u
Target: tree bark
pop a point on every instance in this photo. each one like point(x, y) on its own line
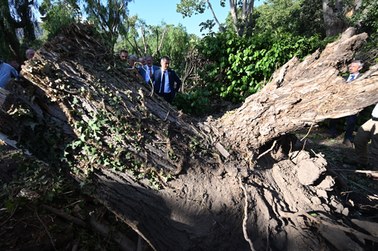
point(242, 18)
point(213, 193)
point(221, 28)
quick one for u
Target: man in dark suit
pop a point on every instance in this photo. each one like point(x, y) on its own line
point(354, 72)
point(166, 82)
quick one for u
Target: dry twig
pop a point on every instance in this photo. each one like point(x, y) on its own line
point(267, 151)
point(245, 218)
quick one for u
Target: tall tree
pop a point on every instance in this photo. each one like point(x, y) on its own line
point(241, 13)
point(109, 16)
point(311, 18)
point(17, 14)
point(157, 40)
point(58, 14)
point(365, 15)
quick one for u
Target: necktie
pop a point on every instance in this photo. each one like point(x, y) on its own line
point(162, 82)
point(351, 77)
point(150, 72)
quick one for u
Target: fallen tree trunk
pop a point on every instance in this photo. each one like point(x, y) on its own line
point(300, 94)
point(181, 184)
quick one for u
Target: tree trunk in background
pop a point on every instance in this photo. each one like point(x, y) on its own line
point(26, 23)
point(221, 28)
point(222, 195)
point(8, 33)
point(333, 15)
point(242, 17)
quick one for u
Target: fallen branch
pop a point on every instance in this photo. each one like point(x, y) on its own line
point(267, 151)
point(369, 173)
point(68, 217)
point(308, 132)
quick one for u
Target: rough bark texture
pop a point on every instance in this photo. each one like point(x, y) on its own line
point(124, 139)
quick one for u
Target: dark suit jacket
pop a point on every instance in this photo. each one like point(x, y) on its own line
point(174, 81)
point(346, 77)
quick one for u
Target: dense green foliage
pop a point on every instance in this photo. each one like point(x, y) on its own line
point(240, 66)
point(57, 16)
point(367, 16)
point(278, 16)
point(244, 65)
point(367, 20)
point(109, 16)
point(195, 102)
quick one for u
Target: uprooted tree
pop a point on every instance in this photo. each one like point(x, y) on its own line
point(184, 184)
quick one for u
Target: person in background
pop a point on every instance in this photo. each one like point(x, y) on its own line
point(132, 60)
point(7, 72)
point(124, 55)
point(165, 80)
point(123, 59)
point(29, 53)
point(354, 72)
point(368, 132)
point(142, 60)
point(148, 70)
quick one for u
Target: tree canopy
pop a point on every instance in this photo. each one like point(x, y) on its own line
point(240, 11)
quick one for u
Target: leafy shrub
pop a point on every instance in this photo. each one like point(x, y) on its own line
point(255, 60)
point(240, 66)
point(57, 17)
point(195, 102)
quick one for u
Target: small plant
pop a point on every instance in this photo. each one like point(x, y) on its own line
point(195, 102)
point(107, 141)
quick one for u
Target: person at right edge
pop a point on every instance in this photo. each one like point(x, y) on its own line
point(354, 72)
point(368, 132)
point(166, 82)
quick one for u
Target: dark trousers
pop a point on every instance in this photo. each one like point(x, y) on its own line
point(350, 126)
point(168, 96)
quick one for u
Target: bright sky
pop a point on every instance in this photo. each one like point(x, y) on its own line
point(154, 12)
